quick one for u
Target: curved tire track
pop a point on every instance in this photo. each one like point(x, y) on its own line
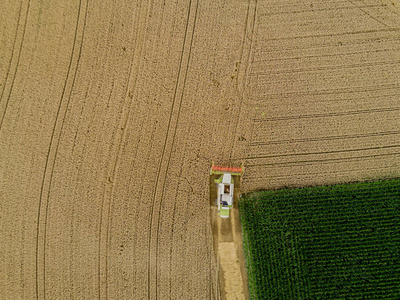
point(106, 206)
point(173, 133)
point(51, 157)
point(16, 67)
point(12, 53)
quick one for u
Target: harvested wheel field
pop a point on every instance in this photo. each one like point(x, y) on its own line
point(111, 113)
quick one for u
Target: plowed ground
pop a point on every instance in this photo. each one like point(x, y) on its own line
point(111, 111)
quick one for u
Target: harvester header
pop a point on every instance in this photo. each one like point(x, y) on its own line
point(225, 169)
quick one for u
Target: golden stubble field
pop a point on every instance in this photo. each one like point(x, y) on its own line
point(111, 113)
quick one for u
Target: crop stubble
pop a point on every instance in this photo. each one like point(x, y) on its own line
point(111, 112)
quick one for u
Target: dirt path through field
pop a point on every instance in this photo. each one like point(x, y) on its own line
point(111, 112)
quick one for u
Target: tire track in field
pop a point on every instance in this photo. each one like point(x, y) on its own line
point(17, 62)
point(316, 10)
point(344, 90)
point(276, 147)
point(185, 146)
point(181, 95)
point(173, 218)
point(334, 34)
point(322, 161)
point(329, 173)
point(332, 114)
point(106, 206)
point(12, 52)
point(326, 68)
point(240, 91)
point(140, 65)
point(51, 157)
point(314, 45)
point(327, 55)
point(353, 99)
point(322, 152)
point(250, 36)
point(186, 133)
point(362, 8)
point(326, 138)
point(129, 91)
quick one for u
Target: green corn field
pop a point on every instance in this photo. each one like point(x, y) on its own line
point(327, 242)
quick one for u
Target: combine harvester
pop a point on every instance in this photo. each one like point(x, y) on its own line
point(225, 187)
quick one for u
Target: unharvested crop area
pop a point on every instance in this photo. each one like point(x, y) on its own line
point(326, 242)
point(111, 112)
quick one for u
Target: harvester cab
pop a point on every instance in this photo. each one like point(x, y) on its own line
point(225, 187)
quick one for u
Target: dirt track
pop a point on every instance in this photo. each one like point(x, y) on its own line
point(111, 113)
